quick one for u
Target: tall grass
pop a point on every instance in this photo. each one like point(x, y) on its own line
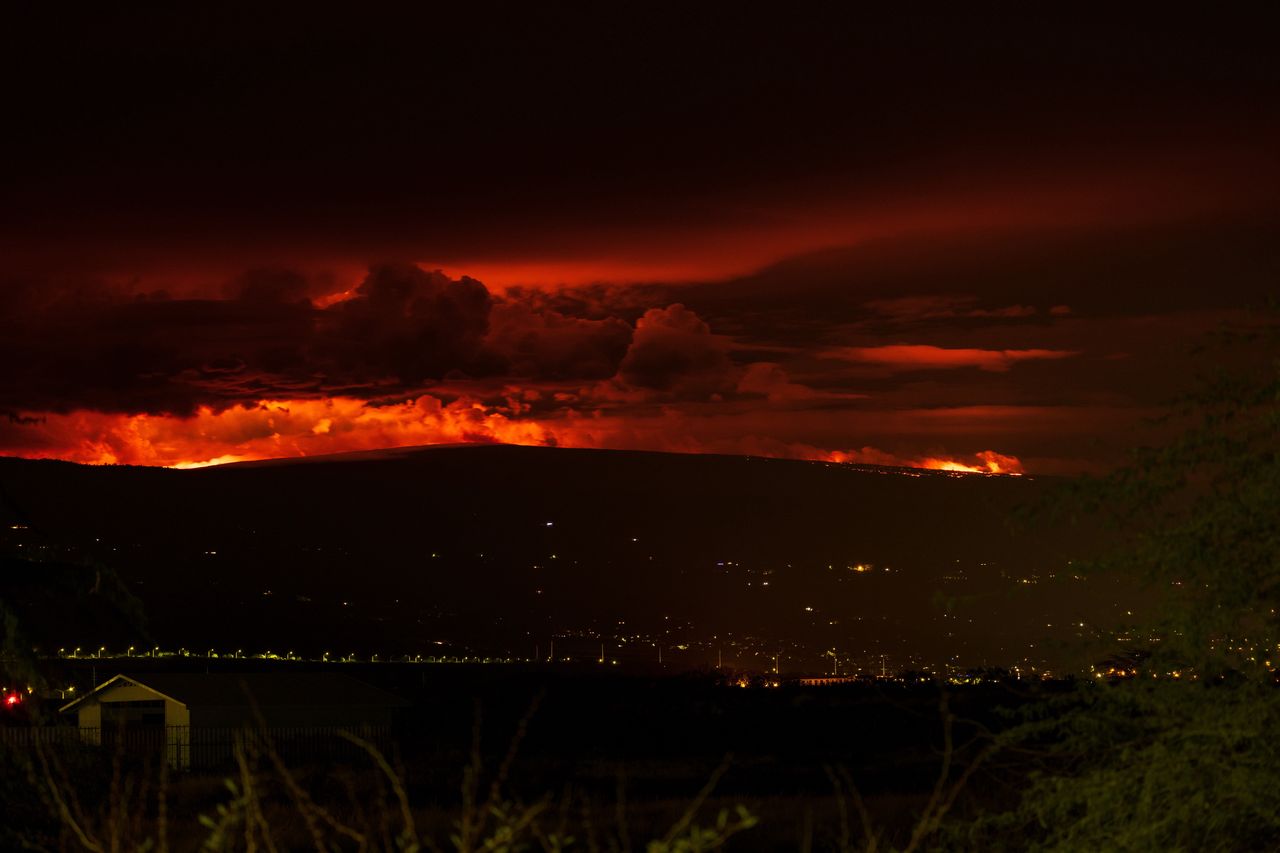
point(265, 804)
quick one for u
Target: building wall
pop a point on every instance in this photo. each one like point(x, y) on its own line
point(175, 714)
point(89, 717)
point(210, 723)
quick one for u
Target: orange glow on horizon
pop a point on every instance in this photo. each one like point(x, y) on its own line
point(992, 463)
point(273, 429)
point(986, 462)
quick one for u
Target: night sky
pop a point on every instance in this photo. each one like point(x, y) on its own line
point(986, 236)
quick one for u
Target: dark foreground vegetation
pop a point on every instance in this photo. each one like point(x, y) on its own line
point(499, 762)
point(614, 762)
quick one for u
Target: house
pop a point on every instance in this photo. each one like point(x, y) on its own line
point(172, 712)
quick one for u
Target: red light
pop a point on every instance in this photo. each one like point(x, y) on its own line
point(12, 699)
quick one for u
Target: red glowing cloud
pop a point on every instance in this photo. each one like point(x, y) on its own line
point(927, 357)
point(840, 255)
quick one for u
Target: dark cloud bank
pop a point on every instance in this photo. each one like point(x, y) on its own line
point(404, 330)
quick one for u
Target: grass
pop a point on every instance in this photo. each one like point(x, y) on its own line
point(80, 800)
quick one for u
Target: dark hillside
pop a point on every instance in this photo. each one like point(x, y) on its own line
point(496, 550)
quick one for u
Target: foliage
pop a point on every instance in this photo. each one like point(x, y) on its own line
point(265, 805)
point(37, 595)
point(1144, 765)
point(692, 838)
point(1183, 756)
point(1198, 517)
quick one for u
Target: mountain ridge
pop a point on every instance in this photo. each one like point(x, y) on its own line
point(497, 548)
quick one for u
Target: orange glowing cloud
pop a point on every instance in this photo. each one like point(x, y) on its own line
point(928, 357)
point(272, 429)
point(986, 462)
point(300, 428)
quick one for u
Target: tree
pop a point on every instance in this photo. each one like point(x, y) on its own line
point(1184, 755)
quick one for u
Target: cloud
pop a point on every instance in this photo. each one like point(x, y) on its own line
point(87, 367)
point(275, 429)
point(941, 306)
point(271, 285)
point(86, 345)
point(268, 429)
point(550, 345)
point(905, 357)
point(407, 324)
point(155, 354)
point(403, 331)
point(983, 462)
point(673, 351)
point(769, 380)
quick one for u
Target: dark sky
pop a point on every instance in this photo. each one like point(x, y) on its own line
point(847, 235)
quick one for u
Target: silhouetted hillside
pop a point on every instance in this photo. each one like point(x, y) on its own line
point(499, 549)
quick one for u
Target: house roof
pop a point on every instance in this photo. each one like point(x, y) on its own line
point(242, 689)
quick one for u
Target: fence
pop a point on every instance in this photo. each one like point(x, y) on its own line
point(201, 747)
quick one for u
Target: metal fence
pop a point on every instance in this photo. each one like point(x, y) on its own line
point(201, 747)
